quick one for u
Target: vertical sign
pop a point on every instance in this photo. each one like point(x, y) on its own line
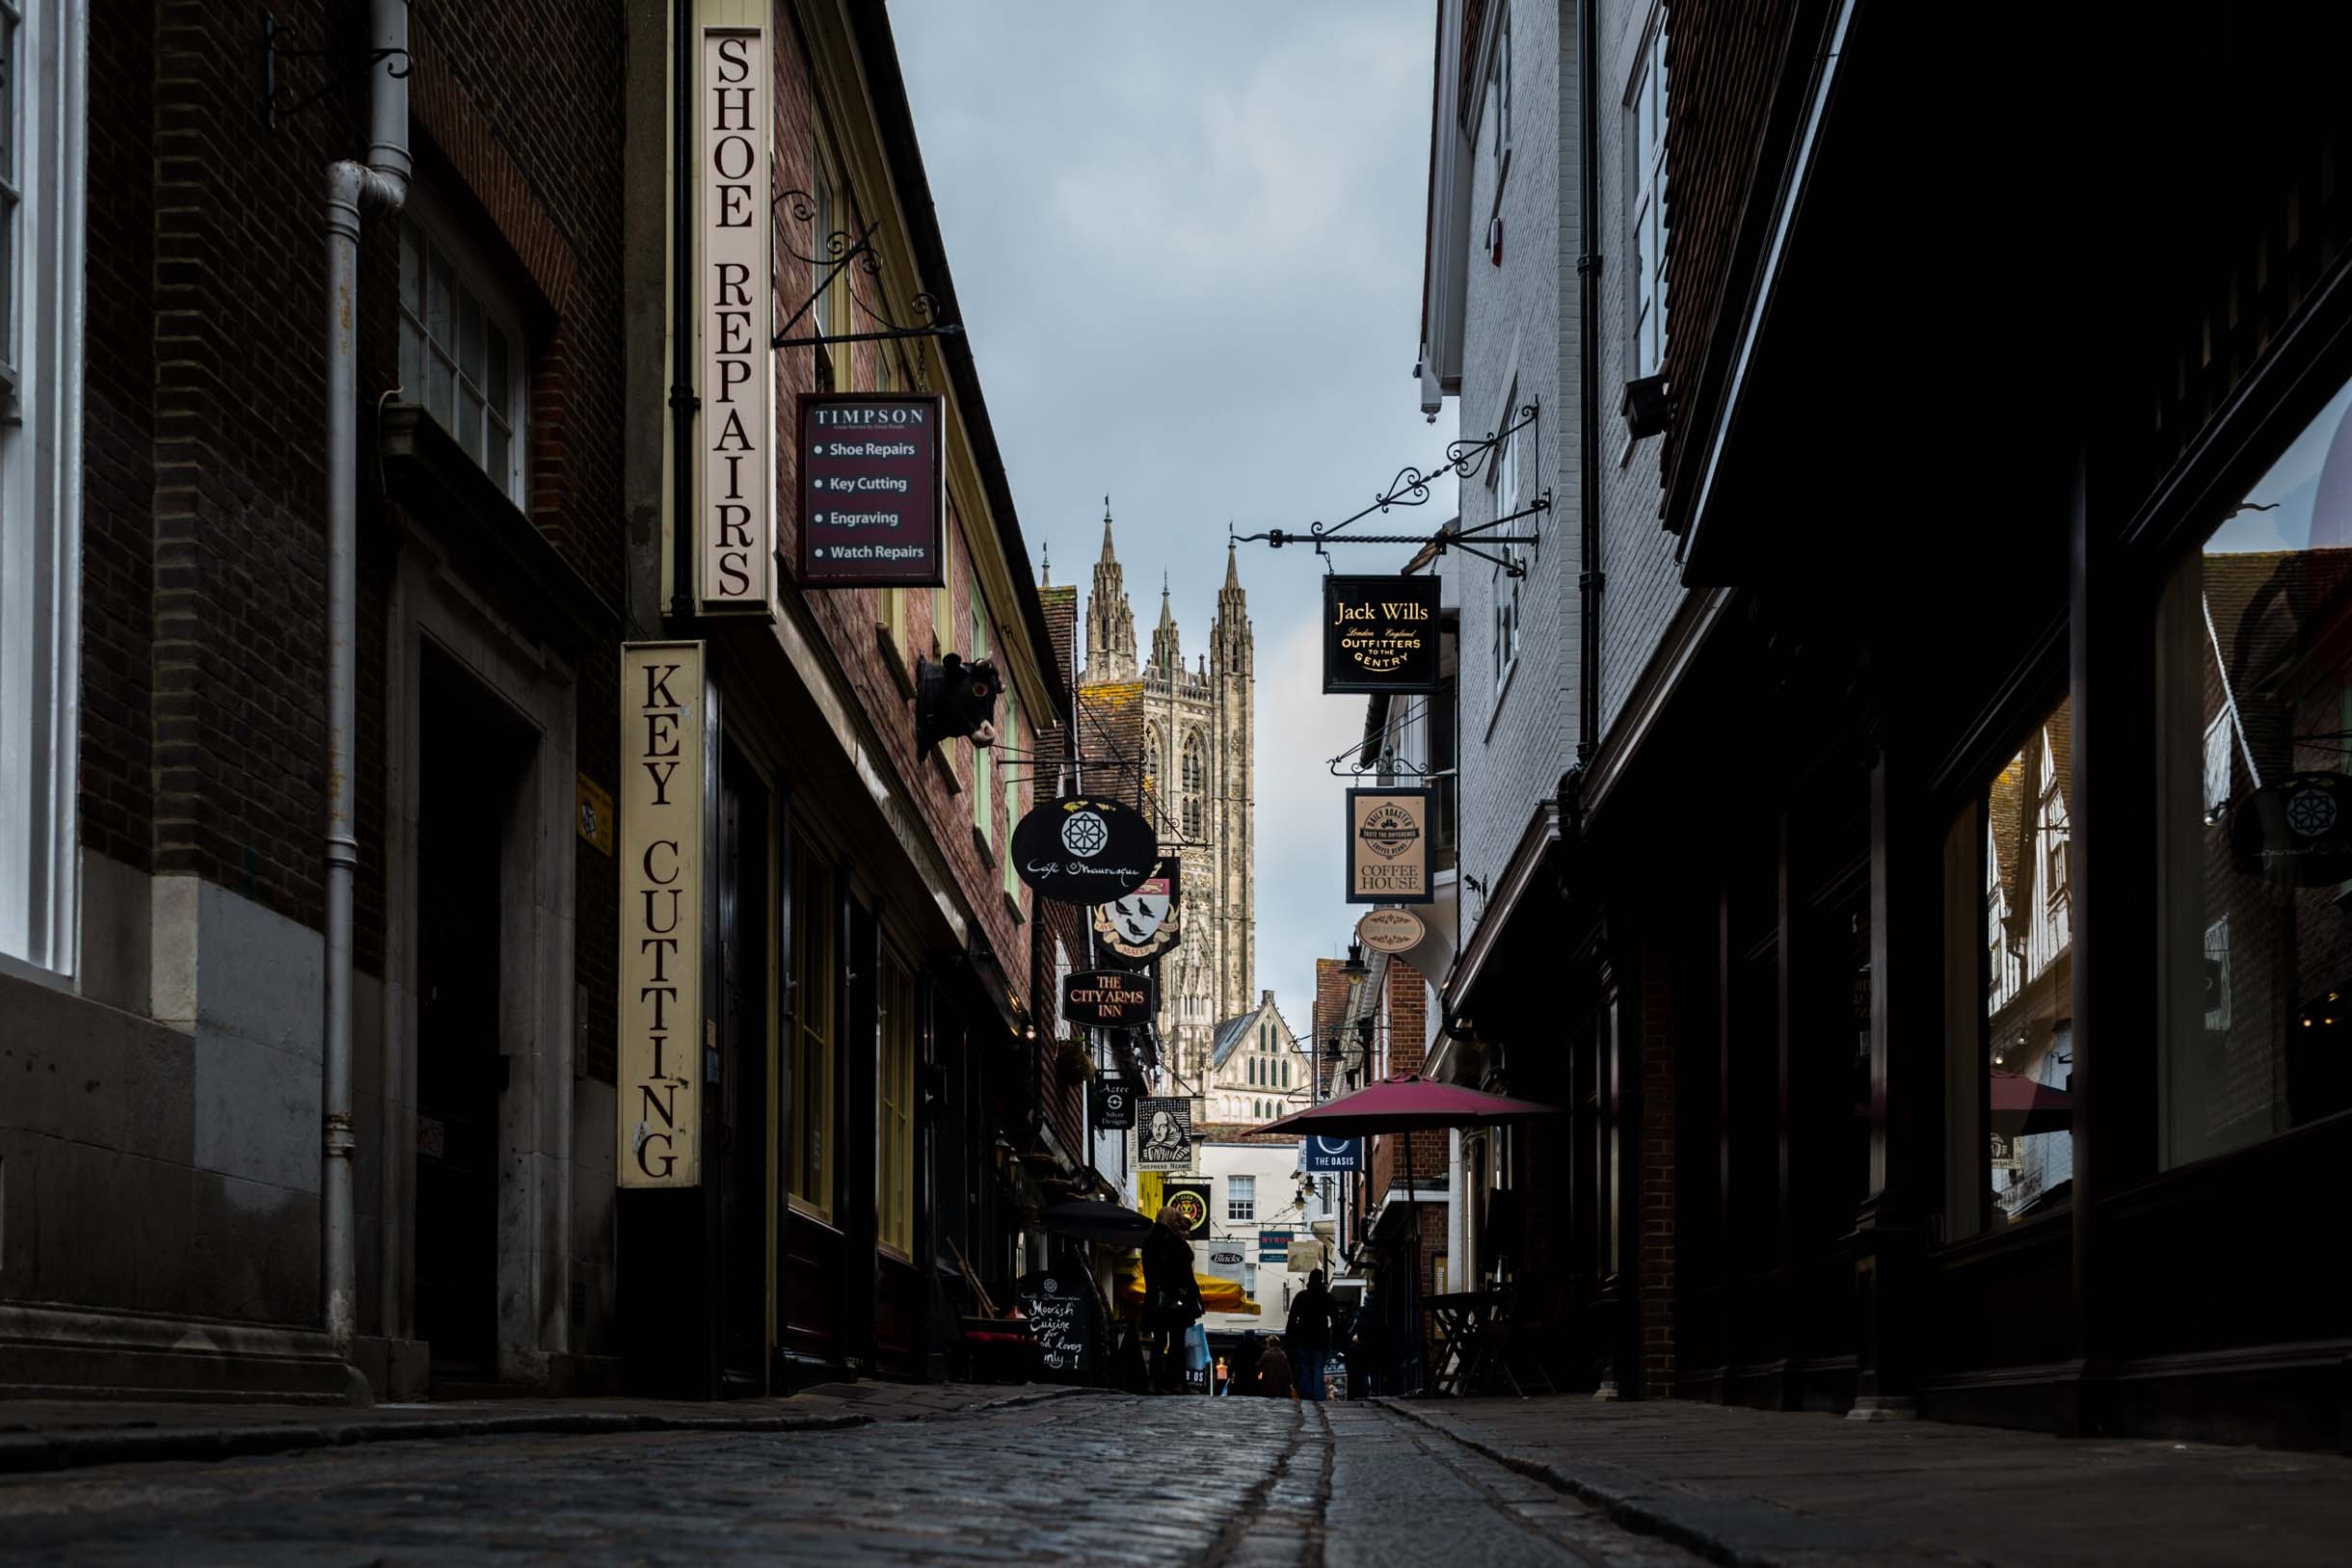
point(1388, 846)
point(873, 492)
point(737, 541)
point(661, 902)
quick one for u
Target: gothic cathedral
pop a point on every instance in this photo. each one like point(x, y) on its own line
point(1199, 737)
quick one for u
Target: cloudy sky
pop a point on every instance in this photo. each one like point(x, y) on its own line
point(1187, 240)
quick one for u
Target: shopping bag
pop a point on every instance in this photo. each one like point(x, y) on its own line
point(1197, 1349)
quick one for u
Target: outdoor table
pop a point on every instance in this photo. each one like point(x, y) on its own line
point(1472, 1323)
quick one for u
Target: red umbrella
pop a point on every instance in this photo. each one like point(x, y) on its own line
point(2021, 1106)
point(1407, 1103)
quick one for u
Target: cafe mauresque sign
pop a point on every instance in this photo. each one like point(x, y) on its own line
point(1107, 998)
point(1388, 846)
point(874, 490)
point(662, 714)
point(1380, 634)
point(736, 525)
point(1084, 850)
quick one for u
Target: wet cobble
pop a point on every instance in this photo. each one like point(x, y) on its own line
point(1094, 1479)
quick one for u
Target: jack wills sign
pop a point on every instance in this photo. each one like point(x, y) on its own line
point(1388, 846)
point(872, 491)
point(1380, 633)
point(661, 900)
point(735, 533)
point(1107, 998)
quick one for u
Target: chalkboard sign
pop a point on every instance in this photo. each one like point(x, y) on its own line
point(1067, 1320)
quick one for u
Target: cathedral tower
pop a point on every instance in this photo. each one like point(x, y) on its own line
point(1111, 622)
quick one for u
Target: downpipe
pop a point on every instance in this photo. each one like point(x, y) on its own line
point(381, 184)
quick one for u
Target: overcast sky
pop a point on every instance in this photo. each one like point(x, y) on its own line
point(1187, 241)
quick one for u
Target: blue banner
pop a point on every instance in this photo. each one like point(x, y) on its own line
point(1334, 1155)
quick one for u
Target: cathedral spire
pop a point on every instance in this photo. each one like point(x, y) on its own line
point(1229, 636)
point(1111, 621)
point(1166, 656)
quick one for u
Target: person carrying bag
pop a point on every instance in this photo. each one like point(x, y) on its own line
point(1172, 1299)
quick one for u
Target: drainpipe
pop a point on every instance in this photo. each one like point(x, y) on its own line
point(1590, 581)
point(684, 589)
point(381, 184)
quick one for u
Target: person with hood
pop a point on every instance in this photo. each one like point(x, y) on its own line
point(1273, 1380)
point(1172, 1297)
point(1310, 1334)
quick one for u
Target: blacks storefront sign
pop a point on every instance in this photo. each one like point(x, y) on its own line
point(1388, 846)
point(1112, 1105)
point(736, 532)
point(1107, 998)
point(1165, 1140)
point(872, 491)
point(1141, 925)
point(661, 902)
point(1189, 1198)
point(1380, 633)
point(1084, 850)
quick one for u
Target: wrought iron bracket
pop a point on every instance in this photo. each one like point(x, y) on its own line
point(356, 63)
point(846, 256)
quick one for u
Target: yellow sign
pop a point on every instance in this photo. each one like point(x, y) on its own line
point(661, 903)
point(595, 814)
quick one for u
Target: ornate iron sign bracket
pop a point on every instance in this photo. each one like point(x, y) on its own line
point(355, 63)
point(845, 256)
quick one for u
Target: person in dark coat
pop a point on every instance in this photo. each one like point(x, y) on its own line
point(1171, 1298)
point(1309, 1335)
point(1274, 1373)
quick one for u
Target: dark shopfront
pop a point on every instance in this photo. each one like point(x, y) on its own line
point(1992, 1059)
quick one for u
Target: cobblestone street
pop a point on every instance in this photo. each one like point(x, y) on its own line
point(1096, 1478)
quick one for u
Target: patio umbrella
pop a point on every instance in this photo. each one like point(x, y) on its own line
point(1090, 1219)
point(1407, 1103)
point(2021, 1106)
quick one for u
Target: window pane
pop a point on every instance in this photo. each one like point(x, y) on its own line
point(500, 461)
point(470, 420)
point(470, 357)
point(2255, 723)
point(441, 320)
point(412, 359)
point(412, 268)
point(499, 382)
point(2029, 996)
point(441, 394)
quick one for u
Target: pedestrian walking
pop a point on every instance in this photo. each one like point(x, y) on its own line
point(1245, 1362)
point(1171, 1298)
point(1274, 1373)
point(1315, 1323)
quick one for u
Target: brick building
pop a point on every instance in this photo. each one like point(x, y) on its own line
point(236, 1161)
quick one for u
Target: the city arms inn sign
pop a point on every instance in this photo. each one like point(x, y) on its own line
point(662, 766)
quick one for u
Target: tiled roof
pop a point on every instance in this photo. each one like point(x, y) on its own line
point(1229, 1037)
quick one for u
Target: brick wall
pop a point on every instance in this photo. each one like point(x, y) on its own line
point(1065, 1104)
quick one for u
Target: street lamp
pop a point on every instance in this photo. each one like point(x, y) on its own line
point(1354, 969)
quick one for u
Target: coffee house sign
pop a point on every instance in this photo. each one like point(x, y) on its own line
point(1388, 846)
point(736, 530)
point(662, 714)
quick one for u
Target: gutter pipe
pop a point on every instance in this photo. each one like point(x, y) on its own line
point(381, 184)
point(1590, 580)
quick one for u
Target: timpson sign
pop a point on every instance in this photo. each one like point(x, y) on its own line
point(736, 530)
point(663, 717)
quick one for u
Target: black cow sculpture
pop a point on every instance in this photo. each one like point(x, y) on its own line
point(952, 697)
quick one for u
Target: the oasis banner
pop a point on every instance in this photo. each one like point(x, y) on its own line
point(1388, 846)
point(663, 714)
point(1380, 633)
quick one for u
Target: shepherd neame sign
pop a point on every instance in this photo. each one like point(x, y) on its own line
point(1380, 633)
point(735, 536)
point(662, 901)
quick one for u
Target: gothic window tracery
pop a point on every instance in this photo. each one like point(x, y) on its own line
point(1195, 783)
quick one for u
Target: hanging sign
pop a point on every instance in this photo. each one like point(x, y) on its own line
point(1084, 851)
point(1165, 1141)
point(1388, 846)
point(873, 498)
point(1334, 1155)
point(735, 533)
point(1141, 925)
point(1274, 1246)
point(661, 903)
point(1191, 1200)
point(1380, 633)
point(1390, 930)
point(1107, 998)
point(1113, 1104)
point(2296, 831)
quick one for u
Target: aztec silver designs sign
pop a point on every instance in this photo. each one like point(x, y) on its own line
point(662, 901)
point(1388, 846)
point(736, 531)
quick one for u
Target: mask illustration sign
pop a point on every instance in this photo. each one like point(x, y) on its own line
point(1144, 924)
point(661, 903)
point(1107, 998)
point(1084, 851)
point(1380, 633)
point(1388, 846)
point(872, 491)
point(736, 534)
point(1166, 1142)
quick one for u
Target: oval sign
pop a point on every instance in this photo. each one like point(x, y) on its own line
point(1084, 850)
point(1390, 930)
point(1107, 998)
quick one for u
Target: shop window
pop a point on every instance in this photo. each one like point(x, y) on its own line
point(983, 811)
point(2254, 661)
point(1010, 759)
point(2012, 1058)
point(815, 950)
point(1648, 116)
point(460, 353)
point(895, 1083)
point(1240, 1197)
